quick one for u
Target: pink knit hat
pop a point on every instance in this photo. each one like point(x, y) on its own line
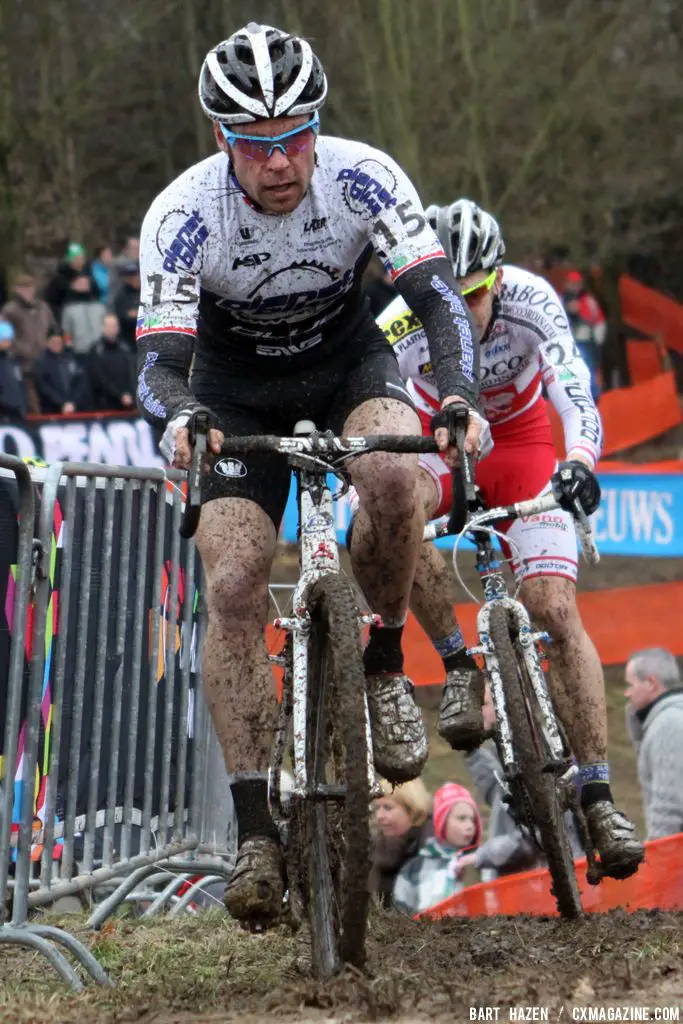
point(444, 799)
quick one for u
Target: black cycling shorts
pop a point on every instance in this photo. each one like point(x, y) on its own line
point(326, 393)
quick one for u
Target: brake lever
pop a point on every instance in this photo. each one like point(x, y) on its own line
point(198, 429)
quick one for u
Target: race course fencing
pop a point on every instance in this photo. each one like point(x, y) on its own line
point(112, 776)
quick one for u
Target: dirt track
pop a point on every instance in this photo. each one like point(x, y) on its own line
point(205, 969)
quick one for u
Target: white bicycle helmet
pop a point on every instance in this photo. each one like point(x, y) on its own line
point(261, 72)
point(471, 238)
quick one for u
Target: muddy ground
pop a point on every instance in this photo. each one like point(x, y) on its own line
point(205, 969)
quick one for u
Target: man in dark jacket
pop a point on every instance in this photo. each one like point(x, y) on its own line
point(127, 302)
point(59, 378)
point(111, 369)
point(13, 400)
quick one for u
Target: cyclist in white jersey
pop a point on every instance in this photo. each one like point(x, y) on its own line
point(526, 341)
point(251, 304)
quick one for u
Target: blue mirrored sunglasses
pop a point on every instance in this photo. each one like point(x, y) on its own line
point(261, 147)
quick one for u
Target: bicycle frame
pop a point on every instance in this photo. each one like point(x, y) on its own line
point(495, 588)
point(319, 552)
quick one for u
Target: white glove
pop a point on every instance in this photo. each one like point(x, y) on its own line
point(167, 443)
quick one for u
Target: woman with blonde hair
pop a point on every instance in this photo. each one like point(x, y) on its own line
point(402, 819)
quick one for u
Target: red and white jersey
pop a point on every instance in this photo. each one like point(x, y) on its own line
point(529, 344)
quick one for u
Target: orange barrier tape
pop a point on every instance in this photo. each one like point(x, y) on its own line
point(619, 622)
point(631, 416)
point(651, 312)
point(657, 883)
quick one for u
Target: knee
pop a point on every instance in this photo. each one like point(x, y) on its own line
point(554, 610)
point(387, 486)
point(236, 592)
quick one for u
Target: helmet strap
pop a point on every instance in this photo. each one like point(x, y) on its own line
point(495, 313)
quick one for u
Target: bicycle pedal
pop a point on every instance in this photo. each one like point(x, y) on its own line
point(556, 768)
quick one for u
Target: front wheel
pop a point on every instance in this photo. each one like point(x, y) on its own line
point(535, 792)
point(332, 836)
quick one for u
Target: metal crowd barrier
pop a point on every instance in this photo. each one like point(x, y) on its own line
point(143, 810)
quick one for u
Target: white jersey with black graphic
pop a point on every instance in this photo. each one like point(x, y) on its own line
point(267, 293)
point(529, 344)
point(271, 281)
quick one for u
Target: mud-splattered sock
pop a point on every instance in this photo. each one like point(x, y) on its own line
point(383, 653)
point(594, 782)
point(250, 799)
point(453, 653)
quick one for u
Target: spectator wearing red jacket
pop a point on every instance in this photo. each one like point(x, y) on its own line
point(587, 322)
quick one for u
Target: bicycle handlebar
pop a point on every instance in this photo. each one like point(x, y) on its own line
point(320, 446)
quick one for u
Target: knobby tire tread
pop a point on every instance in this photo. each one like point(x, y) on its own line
point(332, 605)
point(540, 785)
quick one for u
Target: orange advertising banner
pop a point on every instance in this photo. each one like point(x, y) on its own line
point(651, 312)
point(657, 883)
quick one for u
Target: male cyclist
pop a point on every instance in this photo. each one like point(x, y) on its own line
point(525, 342)
point(251, 265)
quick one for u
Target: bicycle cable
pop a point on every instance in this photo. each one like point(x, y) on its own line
point(491, 530)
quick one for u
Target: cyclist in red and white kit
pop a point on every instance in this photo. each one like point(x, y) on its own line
point(525, 343)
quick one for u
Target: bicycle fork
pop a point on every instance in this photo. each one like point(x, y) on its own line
point(319, 557)
point(528, 643)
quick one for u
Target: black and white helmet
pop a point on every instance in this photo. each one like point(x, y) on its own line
point(261, 72)
point(471, 238)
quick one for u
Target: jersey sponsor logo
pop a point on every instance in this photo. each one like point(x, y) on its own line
point(589, 422)
point(502, 368)
point(180, 240)
point(495, 406)
point(316, 224)
point(231, 468)
point(311, 300)
point(539, 299)
point(254, 259)
point(405, 324)
point(248, 235)
point(291, 349)
point(368, 187)
point(153, 406)
point(461, 322)
point(497, 350)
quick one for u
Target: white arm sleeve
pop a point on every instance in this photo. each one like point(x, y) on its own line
point(568, 382)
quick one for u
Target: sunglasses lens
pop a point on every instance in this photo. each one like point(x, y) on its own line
point(476, 295)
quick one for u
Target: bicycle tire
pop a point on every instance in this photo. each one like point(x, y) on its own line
point(334, 848)
point(536, 789)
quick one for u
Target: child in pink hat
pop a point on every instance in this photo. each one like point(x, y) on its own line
point(435, 873)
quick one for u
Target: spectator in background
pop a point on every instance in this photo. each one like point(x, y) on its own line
point(59, 288)
point(82, 315)
point(13, 401)
point(655, 720)
point(60, 379)
point(111, 369)
point(587, 322)
point(437, 871)
point(100, 269)
point(130, 253)
point(32, 320)
point(127, 302)
point(403, 825)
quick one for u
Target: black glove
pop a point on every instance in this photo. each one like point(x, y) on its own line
point(455, 414)
point(574, 480)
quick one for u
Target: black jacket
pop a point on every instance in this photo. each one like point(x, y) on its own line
point(111, 372)
point(58, 291)
point(126, 306)
point(59, 379)
point(13, 400)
